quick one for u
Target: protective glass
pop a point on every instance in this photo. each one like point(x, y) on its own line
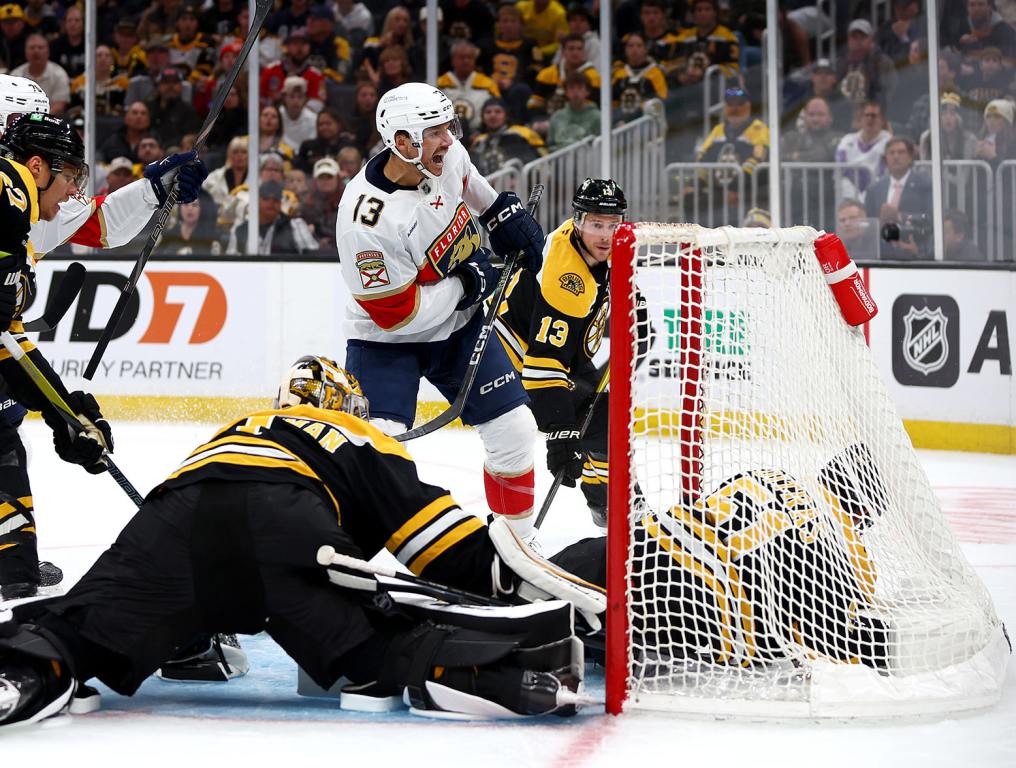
point(76, 175)
point(597, 224)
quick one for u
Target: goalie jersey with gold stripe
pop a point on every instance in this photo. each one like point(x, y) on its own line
point(762, 569)
point(367, 477)
point(551, 325)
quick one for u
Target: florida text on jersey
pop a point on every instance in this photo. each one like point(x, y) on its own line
point(397, 244)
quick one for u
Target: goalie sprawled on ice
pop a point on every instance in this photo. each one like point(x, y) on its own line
point(758, 571)
point(229, 543)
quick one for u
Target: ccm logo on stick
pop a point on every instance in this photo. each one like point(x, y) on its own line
point(500, 381)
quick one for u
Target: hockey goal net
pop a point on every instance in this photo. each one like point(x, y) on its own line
point(775, 548)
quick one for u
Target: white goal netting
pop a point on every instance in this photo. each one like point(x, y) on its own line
point(786, 555)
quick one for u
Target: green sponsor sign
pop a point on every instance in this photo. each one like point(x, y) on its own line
point(725, 331)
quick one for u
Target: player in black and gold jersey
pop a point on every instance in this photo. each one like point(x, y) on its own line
point(764, 568)
point(551, 327)
point(232, 542)
point(41, 166)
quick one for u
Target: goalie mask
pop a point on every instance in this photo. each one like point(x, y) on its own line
point(415, 109)
point(318, 381)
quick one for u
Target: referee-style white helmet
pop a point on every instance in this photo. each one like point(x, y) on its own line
point(19, 95)
point(414, 107)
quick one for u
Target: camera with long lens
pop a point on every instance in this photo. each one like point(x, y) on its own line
point(911, 226)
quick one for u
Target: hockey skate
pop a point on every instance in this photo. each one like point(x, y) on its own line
point(215, 659)
point(49, 576)
point(35, 681)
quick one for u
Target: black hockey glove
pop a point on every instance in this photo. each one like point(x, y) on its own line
point(511, 228)
point(190, 173)
point(478, 276)
point(9, 280)
point(87, 445)
point(564, 453)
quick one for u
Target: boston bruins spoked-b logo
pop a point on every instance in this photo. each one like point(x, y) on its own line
point(925, 345)
point(926, 340)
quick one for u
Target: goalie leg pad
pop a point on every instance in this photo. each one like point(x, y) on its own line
point(540, 579)
point(480, 661)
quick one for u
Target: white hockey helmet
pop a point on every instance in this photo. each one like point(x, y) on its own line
point(19, 95)
point(414, 107)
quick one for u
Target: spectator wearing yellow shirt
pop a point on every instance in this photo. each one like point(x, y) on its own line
point(706, 44)
point(548, 94)
point(638, 79)
point(545, 21)
point(128, 55)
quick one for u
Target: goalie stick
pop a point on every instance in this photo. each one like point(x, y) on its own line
point(64, 410)
point(60, 301)
point(486, 331)
point(559, 477)
point(390, 580)
point(261, 13)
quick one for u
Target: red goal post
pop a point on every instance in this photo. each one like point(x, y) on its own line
point(775, 548)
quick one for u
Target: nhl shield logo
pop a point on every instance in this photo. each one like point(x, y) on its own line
point(925, 342)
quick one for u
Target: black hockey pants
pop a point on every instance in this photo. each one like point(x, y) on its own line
point(214, 557)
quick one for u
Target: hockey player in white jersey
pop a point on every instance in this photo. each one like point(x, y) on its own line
point(412, 260)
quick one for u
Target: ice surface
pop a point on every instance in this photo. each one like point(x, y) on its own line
point(260, 719)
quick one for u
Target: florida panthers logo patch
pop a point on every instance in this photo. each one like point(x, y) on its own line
point(455, 244)
point(372, 269)
point(572, 283)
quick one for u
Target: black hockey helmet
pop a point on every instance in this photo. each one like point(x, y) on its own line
point(51, 138)
point(600, 196)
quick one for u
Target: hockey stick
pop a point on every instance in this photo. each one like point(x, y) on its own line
point(66, 293)
point(486, 331)
point(559, 477)
point(64, 410)
point(263, 7)
point(389, 580)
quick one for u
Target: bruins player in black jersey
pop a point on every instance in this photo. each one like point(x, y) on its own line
point(766, 568)
point(552, 325)
point(230, 542)
point(41, 166)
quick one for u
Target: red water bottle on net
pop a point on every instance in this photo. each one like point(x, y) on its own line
point(844, 280)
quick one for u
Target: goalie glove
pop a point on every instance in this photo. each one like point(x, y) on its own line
point(85, 446)
point(533, 578)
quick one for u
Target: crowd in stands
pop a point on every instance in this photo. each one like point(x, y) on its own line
point(524, 77)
